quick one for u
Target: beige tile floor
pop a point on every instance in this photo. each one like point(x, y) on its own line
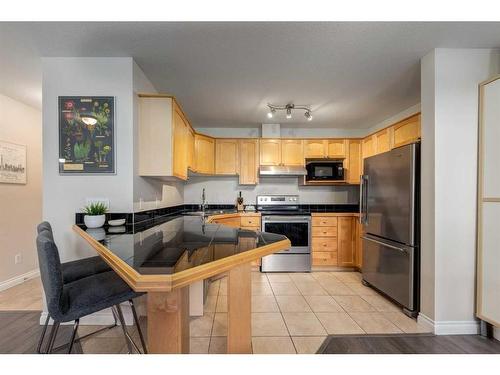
point(293, 313)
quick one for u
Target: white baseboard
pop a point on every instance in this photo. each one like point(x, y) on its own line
point(101, 318)
point(450, 327)
point(425, 321)
point(19, 279)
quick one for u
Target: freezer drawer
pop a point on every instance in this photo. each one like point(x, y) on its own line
point(390, 267)
point(286, 263)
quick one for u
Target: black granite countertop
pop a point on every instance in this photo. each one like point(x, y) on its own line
point(178, 242)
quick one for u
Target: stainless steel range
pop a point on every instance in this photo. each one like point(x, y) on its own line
point(282, 214)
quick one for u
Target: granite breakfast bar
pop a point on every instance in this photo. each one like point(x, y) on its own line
point(164, 259)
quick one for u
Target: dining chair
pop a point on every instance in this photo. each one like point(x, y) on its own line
point(72, 301)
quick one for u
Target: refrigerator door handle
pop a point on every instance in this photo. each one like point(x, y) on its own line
point(400, 249)
point(363, 198)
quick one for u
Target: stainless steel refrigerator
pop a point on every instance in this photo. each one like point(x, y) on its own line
point(390, 214)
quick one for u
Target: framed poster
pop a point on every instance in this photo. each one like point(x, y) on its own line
point(12, 163)
point(86, 134)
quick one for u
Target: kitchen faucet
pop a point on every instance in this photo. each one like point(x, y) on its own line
point(203, 201)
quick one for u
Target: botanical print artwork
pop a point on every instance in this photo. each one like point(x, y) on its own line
point(12, 163)
point(86, 134)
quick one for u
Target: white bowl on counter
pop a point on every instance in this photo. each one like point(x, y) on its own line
point(116, 223)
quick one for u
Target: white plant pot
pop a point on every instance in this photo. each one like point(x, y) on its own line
point(92, 221)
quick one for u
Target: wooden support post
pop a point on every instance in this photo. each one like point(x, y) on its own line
point(168, 321)
point(239, 316)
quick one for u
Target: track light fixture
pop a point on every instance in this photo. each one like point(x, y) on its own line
point(288, 108)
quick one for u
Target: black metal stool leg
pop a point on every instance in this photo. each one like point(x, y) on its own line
point(119, 312)
point(42, 336)
point(73, 335)
point(139, 330)
point(52, 339)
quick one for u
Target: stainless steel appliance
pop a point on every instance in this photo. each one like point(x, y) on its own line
point(389, 212)
point(332, 170)
point(282, 170)
point(282, 214)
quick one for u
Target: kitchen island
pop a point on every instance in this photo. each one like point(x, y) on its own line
point(163, 260)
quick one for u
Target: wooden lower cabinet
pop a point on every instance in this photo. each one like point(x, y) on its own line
point(334, 240)
point(347, 240)
point(234, 222)
point(324, 240)
point(359, 244)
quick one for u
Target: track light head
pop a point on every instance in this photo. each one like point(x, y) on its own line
point(289, 113)
point(308, 116)
point(271, 113)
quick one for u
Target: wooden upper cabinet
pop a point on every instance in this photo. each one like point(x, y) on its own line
point(249, 161)
point(292, 152)
point(155, 136)
point(382, 141)
point(346, 242)
point(166, 139)
point(336, 148)
point(407, 131)
point(180, 135)
point(367, 147)
point(353, 161)
point(314, 148)
point(270, 151)
point(226, 156)
point(190, 149)
point(204, 154)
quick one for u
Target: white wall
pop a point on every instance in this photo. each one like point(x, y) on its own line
point(150, 193)
point(21, 205)
point(63, 195)
point(449, 126)
point(223, 190)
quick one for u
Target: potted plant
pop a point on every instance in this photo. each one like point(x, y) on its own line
point(95, 215)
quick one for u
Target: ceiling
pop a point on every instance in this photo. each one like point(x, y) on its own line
point(353, 75)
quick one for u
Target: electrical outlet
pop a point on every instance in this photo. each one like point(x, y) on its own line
point(18, 258)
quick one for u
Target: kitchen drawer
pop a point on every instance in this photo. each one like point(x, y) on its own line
point(324, 244)
point(324, 221)
point(324, 258)
point(250, 221)
point(324, 231)
point(229, 221)
point(251, 228)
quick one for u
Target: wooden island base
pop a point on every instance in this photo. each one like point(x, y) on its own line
point(168, 316)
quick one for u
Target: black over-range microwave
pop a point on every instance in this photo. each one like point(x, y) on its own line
point(325, 170)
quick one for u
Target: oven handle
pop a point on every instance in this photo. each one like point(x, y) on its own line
point(295, 219)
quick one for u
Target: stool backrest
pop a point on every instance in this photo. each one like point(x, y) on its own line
point(45, 225)
point(51, 273)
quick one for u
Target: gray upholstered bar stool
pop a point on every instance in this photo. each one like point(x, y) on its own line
point(75, 270)
point(71, 301)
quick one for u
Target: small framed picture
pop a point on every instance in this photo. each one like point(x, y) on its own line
point(87, 135)
point(12, 163)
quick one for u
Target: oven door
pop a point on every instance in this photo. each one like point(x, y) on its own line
point(295, 228)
